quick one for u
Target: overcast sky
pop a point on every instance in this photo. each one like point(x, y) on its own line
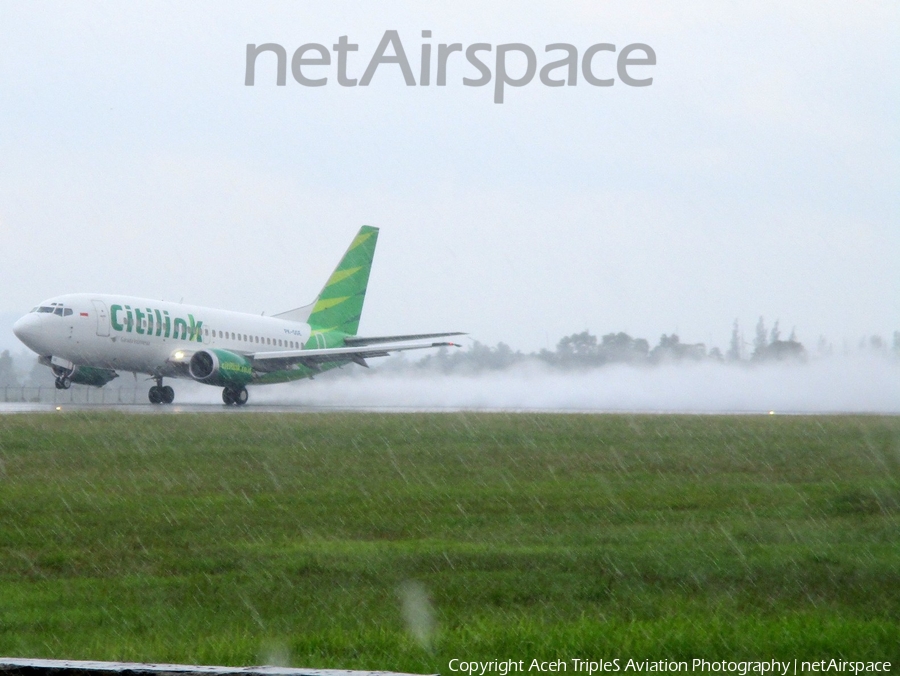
point(758, 175)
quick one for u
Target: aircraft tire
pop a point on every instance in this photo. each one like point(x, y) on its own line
point(65, 382)
point(228, 396)
point(59, 384)
point(155, 395)
point(241, 396)
point(167, 394)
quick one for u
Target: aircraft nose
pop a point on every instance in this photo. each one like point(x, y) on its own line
point(27, 329)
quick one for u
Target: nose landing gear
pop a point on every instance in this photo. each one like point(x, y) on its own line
point(63, 382)
point(161, 394)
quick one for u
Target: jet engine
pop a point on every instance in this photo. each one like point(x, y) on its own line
point(85, 375)
point(220, 367)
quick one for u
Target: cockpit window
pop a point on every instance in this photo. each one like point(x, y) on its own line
point(54, 309)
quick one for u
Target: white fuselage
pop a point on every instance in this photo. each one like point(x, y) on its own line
point(142, 335)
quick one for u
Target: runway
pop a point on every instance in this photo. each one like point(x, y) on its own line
point(175, 409)
point(142, 409)
point(249, 409)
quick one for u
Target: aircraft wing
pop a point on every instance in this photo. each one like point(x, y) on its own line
point(285, 359)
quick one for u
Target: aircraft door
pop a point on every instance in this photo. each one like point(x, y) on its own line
point(102, 318)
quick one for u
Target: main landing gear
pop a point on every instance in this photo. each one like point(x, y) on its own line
point(160, 394)
point(235, 396)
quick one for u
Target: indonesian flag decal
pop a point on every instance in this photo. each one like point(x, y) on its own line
point(84, 314)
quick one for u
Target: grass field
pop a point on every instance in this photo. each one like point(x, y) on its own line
point(400, 541)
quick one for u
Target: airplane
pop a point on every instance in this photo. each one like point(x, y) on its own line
point(86, 338)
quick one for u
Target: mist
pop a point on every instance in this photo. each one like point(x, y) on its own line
point(852, 384)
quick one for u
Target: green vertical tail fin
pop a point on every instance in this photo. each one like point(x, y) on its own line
point(339, 305)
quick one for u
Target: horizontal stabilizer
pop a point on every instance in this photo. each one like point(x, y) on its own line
point(361, 340)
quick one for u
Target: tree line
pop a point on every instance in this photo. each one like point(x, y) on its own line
point(585, 350)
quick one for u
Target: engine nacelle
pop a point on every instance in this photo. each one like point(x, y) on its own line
point(220, 367)
point(85, 375)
